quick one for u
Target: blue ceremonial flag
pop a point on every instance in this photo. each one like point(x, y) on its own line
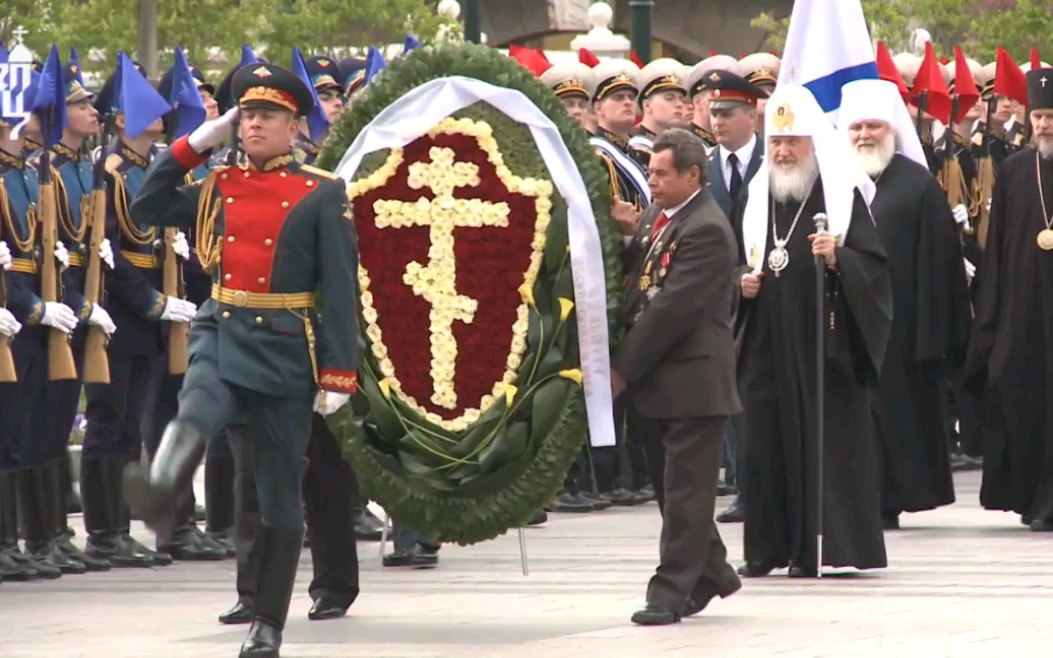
point(411, 43)
point(317, 121)
point(182, 94)
point(248, 56)
point(374, 64)
point(74, 59)
point(137, 100)
point(827, 46)
point(50, 100)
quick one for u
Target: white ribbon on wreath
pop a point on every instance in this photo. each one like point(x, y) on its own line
point(416, 112)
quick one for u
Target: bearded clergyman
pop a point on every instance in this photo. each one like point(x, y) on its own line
point(809, 170)
point(930, 322)
point(1011, 354)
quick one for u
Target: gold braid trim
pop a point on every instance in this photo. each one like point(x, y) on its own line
point(131, 231)
point(65, 211)
point(23, 245)
point(953, 183)
point(985, 179)
point(612, 175)
point(209, 247)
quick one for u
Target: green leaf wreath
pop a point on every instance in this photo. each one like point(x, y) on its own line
point(470, 486)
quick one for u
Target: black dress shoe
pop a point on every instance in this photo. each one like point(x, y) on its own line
point(623, 497)
point(799, 571)
point(726, 490)
point(700, 598)
point(1025, 519)
point(327, 608)
point(263, 641)
point(1041, 525)
point(655, 615)
point(598, 501)
point(417, 557)
point(754, 570)
point(570, 504)
point(890, 520)
point(733, 514)
point(62, 541)
point(239, 614)
point(189, 544)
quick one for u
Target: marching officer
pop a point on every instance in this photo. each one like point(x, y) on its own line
point(274, 233)
point(136, 304)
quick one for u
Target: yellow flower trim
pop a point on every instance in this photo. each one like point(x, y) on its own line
point(436, 280)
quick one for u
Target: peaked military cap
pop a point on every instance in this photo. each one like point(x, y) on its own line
point(761, 69)
point(1040, 89)
point(985, 79)
point(74, 90)
point(106, 101)
point(907, 64)
point(697, 79)
point(199, 79)
point(974, 69)
point(352, 74)
point(325, 73)
point(664, 74)
point(729, 90)
point(615, 75)
point(569, 79)
point(265, 85)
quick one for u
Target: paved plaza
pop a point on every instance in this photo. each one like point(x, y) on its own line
point(961, 582)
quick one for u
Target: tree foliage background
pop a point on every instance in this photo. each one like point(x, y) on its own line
point(978, 26)
point(99, 28)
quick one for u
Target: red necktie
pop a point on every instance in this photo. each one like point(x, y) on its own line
point(659, 224)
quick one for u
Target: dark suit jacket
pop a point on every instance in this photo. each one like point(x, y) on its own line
point(718, 186)
point(678, 356)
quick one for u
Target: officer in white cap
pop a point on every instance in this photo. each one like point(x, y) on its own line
point(571, 83)
point(698, 89)
point(662, 94)
point(761, 70)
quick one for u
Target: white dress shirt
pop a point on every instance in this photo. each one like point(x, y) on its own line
point(744, 154)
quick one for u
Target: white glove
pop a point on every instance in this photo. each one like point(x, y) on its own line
point(61, 255)
point(327, 402)
point(970, 270)
point(211, 133)
point(59, 316)
point(106, 252)
point(9, 326)
point(178, 310)
point(180, 246)
point(989, 206)
point(100, 318)
point(5, 256)
point(961, 216)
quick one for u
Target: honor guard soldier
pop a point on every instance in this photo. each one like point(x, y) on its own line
point(762, 70)
point(662, 93)
point(325, 74)
point(698, 93)
point(73, 184)
point(27, 408)
point(999, 110)
point(571, 83)
point(134, 300)
point(273, 233)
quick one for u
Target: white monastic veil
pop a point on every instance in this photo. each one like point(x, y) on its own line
point(792, 111)
point(879, 100)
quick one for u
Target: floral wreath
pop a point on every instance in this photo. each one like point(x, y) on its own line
point(466, 430)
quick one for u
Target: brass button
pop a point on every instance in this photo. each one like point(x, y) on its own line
point(226, 277)
point(285, 204)
point(230, 238)
point(283, 174)
point(224, 177)
point(259, 319)
point(310, 183)
point(261, 280)
point(230, 199)
point(226, 315)
point(241, 298)
point(246, 174)
point(268, 242)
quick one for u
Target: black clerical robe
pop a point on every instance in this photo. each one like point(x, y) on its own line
point(930, 331)
point(777, 381)
point(1011, 354)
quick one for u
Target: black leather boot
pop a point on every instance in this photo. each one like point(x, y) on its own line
point(14, 565)
point(70, 499)
point(158, 558)
point(219, 500)
point(153, 495)
point(38, 526)
point(279, 560)
point(188, 543)
point(105, 541)
point(59, 487)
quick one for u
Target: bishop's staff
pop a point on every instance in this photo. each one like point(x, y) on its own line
point(96, 361)
point(820, 381)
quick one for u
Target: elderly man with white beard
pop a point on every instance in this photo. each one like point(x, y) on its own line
point(809, 169)
point(930, 322)
point(1011, 354)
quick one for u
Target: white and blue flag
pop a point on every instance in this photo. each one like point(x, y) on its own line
point(827, 46)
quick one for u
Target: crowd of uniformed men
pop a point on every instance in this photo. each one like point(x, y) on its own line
point(720, 99)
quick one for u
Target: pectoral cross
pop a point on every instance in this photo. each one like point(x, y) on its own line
point(436, 281)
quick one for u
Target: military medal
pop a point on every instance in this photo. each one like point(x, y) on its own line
point(779, 257)
point(645, 282)
point(1045, 236)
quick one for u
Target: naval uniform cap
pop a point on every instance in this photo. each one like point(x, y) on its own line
point(761, 69)
point(614, 75)
point(907, 64)
point(570, 79)
point(729, 90)
point(697, 81)
point(985, 79)
point(664, 74)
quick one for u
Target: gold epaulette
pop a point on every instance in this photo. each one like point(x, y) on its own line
point(321, 173)
point(978, 138)
point(113, 161)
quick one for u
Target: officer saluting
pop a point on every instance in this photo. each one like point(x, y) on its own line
point(271, 233)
